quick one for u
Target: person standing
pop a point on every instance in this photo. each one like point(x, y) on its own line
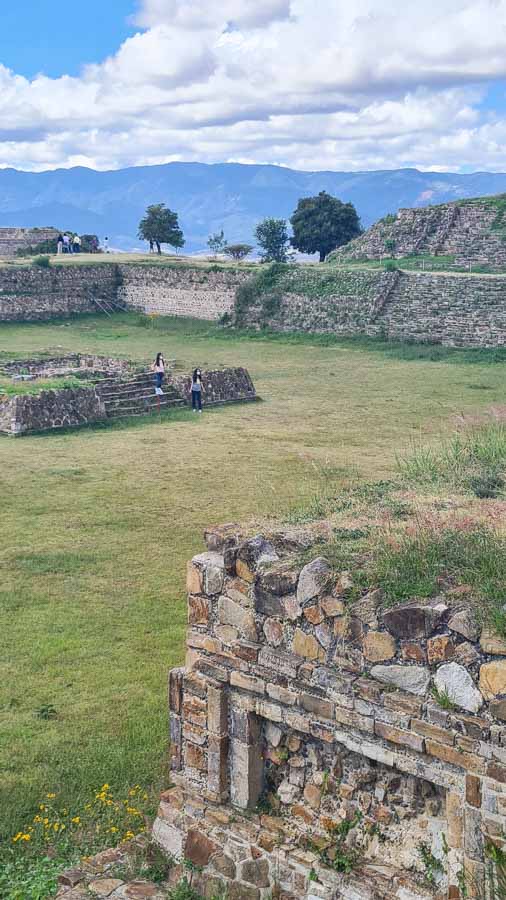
point(59, 244)
point(106, 244)
point(197, 388)
point(159, 370)
point(77, 243)
point(66, 243)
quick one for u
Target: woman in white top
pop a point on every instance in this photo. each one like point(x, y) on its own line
point(159, 370)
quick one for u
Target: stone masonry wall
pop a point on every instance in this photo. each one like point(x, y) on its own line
point(310, 758)
point(67, 408)
point(453, 310)
point(463, 230)
point(35, 294)
point(181, 290)
point(12, 239)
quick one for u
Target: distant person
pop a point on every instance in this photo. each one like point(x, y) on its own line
point(106, 245)
point(197, 387)
point(151, 247)
point(77, 243)
point(66, 243)
point(159, 370)
point(94, 244)
point(59, 244)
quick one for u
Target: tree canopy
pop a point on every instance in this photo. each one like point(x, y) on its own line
point(160, 226)
point(238, 251)
point(272, 237)
point(216, 242)
point(322, 223)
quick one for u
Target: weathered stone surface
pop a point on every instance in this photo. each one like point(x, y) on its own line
point(493, 679)
point(224, 864)
point(232, 613)
point(279, 661)
point(291, 607)
point(199, 848)
point(226, 633)
point(319, 707)
point(287, 792)
point(332, 606)
point(256, 871)
point(366, 608)
point(456, 681)
point(464, 623)
point(247, 682)
point(195, 757)
point(307, 646)
point(213, 567)
point(473, 791)
point(324, 635)
point(414, 652)
point(378, 646)
point(491, 642)
point(398, 736)
point(238, 891)
point(313, 614)
point(413, 679)
point(313, 580)
point(465, 654)
point(103, 887)
point(440, 648)
point(313, 795)
point(279, 578)
point(168, 837)
point(412, 621)
point(498, 709)
point(253, 553)
point(198, 610)
point(194, 579)
point(273, 631)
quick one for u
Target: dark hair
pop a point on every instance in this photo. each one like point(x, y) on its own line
point(157, 360)
point(195, 371)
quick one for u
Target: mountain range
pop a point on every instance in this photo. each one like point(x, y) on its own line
point(231, 196)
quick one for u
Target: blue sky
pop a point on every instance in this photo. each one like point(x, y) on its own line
point(56, 37)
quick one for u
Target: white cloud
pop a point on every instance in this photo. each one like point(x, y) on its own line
point(307, 83)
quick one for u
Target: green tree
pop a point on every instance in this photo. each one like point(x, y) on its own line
point(272, 237)
point(160, 226)
point(216, 242)
point(238, 251)
point(322, 223)
point(390, 246)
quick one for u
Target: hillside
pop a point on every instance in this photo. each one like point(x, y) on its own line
point(209, 197)
point(467, 231)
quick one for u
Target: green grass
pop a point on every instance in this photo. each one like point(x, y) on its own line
point(10, 388)
point(97, 526)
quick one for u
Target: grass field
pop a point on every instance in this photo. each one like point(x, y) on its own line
point(97, 525)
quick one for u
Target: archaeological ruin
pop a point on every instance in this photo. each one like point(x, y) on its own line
point(104, 389)
point(324, 746)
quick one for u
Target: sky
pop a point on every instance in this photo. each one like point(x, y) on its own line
point(310, 84)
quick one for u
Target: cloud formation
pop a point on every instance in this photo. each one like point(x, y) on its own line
point(311, 84)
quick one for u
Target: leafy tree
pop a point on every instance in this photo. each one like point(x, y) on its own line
point(322, 223)
point(272, 236)
point(89, 243)
point(160, 226)
point(390, 245)
point(217, 242)
point(238, 251)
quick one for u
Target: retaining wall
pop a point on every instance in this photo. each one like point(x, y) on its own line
point(12, 239)
point(299, 710)
point(180, 291)
point(34, 294)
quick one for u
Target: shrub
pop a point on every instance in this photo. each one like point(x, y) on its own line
point(43, 262)
point(390, 266)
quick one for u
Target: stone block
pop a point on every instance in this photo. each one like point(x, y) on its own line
point(473, 836)
point(397, 736)
point(168, 837)
point(307, 646)
point(273, 631)
point(366, 609)
point(227, 634)
point(279, 661)
point(498, 709)
point(413, 621)
point(224, 864)
point(232, 613)
point(349, 660)
point(256, 871)
point(493, 679)
point(413, 651)
point(464, 623)
point(176, 690)
point(433, 732)
point(456, 681)
point(332, 606)
point(195, 757)
point(454, 756)
point(379, 646)
point(440, 649)
point(195, 711)
point(281, 694)
point(313, 580)
point(213, 568)
point(246, 774)
point(413, 679)
point(199, 847)
point(473, 791)
point(491, 642)
point(253, 553)
point(240, 891)
point(246, 650)
point(217, 710)
point(318, 707)
point(198, 610)
point(194, 579)
point(313, 614)
point(402, 702)
point(247, 682)
point(455, 820)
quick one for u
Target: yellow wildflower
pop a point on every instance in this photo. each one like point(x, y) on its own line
point(76, 820)
point(50, 796)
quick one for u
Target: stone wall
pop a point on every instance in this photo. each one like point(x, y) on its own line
point(453, 310)
point(180, 290)
point(34, 294)
point(471, 231)
point(12, 239)
point(310, 757)
point(220, 386)
point(85, 364)
point(67, 408)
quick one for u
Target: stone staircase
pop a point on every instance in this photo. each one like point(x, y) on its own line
point(136, 397)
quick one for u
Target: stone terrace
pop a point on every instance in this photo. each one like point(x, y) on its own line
point(310, 758)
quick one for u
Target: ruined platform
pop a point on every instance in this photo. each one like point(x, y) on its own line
point(311, 759)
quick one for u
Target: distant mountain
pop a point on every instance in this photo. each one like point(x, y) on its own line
point(210, 197)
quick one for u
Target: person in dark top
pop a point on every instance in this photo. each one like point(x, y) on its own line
point(197, 388)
